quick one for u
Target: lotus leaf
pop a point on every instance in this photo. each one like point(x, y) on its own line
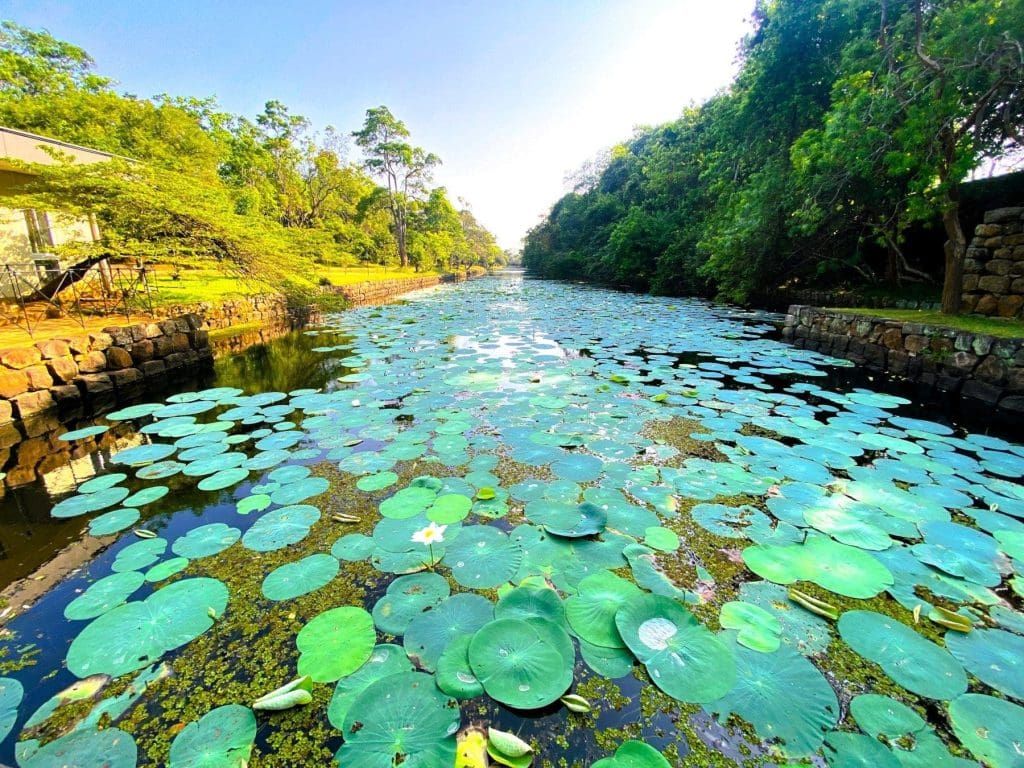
point(855, 750)
point(11, 694)
point(377, 482)
point(73, 506)
point(206, 540)
point(682, 656)
point(989, 727)
point(223, 479)
point(102, 482)
point(591, 612)
point(384, 660)
point(430, 633)
point(917, 664)
point(335, 643)
point(836, 567)
point(222, 738)
point(523, 663)
point(113, 521)
point(166, 569)
point(280, 528)
point(528, 602)
point(401, 719)
point(994, 656)
point(139, 555)
point(135, 634)
point(483, 557)
point(299, 578)
point(633, 754)
point(353, 547)
point(406, 598)
point(661, 539)
point(300, 490)
point(759, 629)
point(783, 696)
point(109, 748)
point(454, 674)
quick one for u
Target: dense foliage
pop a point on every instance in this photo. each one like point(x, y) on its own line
point(269, 196)
point(849, 121)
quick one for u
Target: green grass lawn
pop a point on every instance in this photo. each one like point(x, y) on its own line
point(993, 326)
point(350, 275)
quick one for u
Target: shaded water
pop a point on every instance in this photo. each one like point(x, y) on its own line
point(645, 414)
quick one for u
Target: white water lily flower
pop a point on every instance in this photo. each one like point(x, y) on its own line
point(432, 534)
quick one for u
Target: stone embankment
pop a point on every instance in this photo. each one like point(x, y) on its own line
point(976, 366)
point(994, 269)
point(382, 291)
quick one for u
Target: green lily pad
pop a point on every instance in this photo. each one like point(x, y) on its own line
point(839, 568)
point(855, 750)
point(633, 754)
point(407, 597)
point(280, 528)
point(109, 748)
point(222, 738)
point(483, 557)
point(136, 634)
point(449, 508)
point(567, 520)
point(524, 664)
point(353, 547)
point(377, 482)
point(299, 578)
point(167, 568)
point(454, 675)
point(139, 555)
point(527, 602)
point(783, 696)
point(683, 657)
point(206, 540)
point(662, 539)
point(591, 612)
point(11, 694)
point(994, 656)
point(113, 521)
point(83, 503)
point(143, 454)
point(300, 490)
point(223, 479)
point(401, 720)
point(102, 482)
point(919, 665)
point(335, 643)
point(759, 630)
point(384, 660)
point(146, 496)
point(430, 633)
point(989, 727)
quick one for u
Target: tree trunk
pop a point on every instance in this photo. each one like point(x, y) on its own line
point(956, 253)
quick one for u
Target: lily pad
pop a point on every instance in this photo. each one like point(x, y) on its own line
point(454, 675)
point(280, 528)
point(523, 663)
point(591, 612)
point(483, 557)
point(206, 540)
point(989, 727)
point(222, 738)
point(335, 643)
point(385, 660)
point(109, 748)
point(917, 664)
point(113, 521)
point(759, 630)
point(633, 754)
point(139, 555)
point(11, 694)
point(430, 633)
point(994, 656)
point(683, 657)
point(299, 578)
point(407, 597)
point(136, 634)
point(783, 696)
point(402, 720)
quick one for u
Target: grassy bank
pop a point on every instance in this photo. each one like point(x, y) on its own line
point(993, 326)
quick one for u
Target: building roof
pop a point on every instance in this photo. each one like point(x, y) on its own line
point(29, 148)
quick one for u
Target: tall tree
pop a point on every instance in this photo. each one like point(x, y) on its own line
point(404, 168)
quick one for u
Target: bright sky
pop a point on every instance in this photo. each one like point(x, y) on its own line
point(512, 94)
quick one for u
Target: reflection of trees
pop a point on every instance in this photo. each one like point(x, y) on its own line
point(284, 364)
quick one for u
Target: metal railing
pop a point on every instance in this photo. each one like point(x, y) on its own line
point(78, 292)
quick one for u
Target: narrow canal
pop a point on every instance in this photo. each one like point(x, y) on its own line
point(454, 510)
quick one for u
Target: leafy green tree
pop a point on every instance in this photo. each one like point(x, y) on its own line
point(404, 168)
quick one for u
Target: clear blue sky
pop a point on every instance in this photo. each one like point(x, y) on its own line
point(513, 95)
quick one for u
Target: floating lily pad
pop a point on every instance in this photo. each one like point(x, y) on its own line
point(454, 675)
point(139, 555)
point(143, 454)
point(662, 539)
point(783, 696)
point(483, 557)
point(353, 547)
point(83, 503)
point(146, 496)
point(300, 490)
point(222, 738)
point(989, 727)
point(525, 664)
point(299, 578)
point(335, 643)
point(377, 482)
point(136, 634)
point(402, 720)
point(166, 569)
point(854, 750)
point(567, 520)
point(206, 540)
point(83, 433)
point(683, 657)
point(591, 612)
point(11, 694)
point(994, 656)
point(109, 748)
point(917, 664)
point(836, 567)
point(102, 482)
point(430, 633)
point(114, 521)
point(385, 660)
point(407, 597)
point(280, 528)
point(223, 479)
point(759, 630)
point(633, 754)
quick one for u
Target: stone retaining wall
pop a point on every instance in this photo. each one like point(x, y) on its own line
point(984, 368)
point(994, 269)
point(382, 291)
point(268, 309)
point(58, 379)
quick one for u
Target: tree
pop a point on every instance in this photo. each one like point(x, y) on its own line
point(404, 168)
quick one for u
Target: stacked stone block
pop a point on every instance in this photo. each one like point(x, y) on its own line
point(994, 269)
